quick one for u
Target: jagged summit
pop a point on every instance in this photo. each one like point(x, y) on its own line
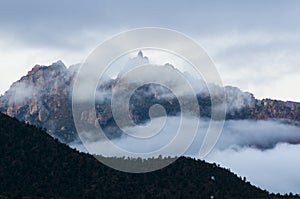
point(140, 54)
point(43, 98)
point(59, 62)
point(59, 66)
point(139, 59)
point(169, 65)
point(34, 69)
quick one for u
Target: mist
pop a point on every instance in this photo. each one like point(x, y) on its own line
point(22, 91)
point(265, 152)
point(275, 170)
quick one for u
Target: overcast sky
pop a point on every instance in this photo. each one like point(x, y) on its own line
point(255, 44)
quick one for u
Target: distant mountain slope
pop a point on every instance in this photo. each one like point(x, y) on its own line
point(43, 98)
point(34, 164)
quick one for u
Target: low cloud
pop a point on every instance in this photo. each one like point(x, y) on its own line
point(275, 170)
point(21, 92)
point(259, 150)
point(236, 134)
point(257, 134)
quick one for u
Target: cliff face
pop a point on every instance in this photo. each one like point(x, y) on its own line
point(43, 98)
point(268, 109)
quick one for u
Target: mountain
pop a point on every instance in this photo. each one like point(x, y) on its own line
point(35, 165)
point(43, 98)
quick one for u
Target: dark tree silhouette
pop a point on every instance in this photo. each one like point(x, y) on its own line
point(34, 165)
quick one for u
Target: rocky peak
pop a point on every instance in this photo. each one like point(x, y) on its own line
point(139, 59)
point(40, 72)
point(58, 66)
point(140, 54)
point(169, 65)
point(44, 98)
point(34, 69)
point(59, 63)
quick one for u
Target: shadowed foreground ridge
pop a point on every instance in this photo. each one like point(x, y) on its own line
point(33, 164)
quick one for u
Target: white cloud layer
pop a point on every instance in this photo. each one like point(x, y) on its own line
point(259, 150)
point(276, 170)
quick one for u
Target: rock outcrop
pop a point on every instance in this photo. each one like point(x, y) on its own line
point(43, 98)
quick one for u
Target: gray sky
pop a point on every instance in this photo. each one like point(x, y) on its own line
point(255, 44)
